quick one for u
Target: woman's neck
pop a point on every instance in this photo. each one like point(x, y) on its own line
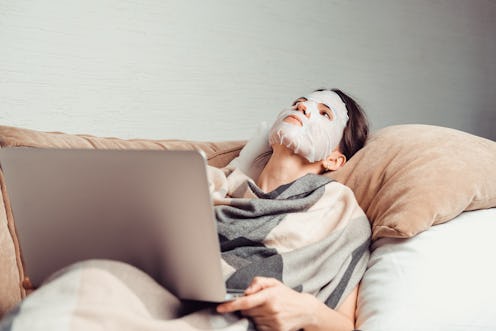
point(284, 166)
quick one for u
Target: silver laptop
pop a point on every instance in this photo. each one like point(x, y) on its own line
point(151, 209)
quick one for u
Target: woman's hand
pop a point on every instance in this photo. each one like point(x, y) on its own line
point(272, 305)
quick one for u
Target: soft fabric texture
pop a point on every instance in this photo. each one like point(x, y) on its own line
point(410, 177)
point(219, 154)
point(249, 159)
point(110, 295)
point(440, 280)
point(311, 234)
point(12, 272)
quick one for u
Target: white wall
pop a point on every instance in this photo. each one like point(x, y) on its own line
point(212, 70)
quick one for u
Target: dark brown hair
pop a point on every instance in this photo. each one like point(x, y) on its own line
point(357, 128)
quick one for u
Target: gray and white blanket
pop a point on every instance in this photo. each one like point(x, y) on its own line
point(310, 234)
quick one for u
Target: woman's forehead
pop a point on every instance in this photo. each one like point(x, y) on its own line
point(328, 98)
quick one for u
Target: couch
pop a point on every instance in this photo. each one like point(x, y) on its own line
point(428, 191)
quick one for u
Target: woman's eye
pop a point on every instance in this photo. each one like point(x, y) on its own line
point(297, 102)
point(326, 114)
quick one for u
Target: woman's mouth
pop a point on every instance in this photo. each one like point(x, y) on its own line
point(293, 119)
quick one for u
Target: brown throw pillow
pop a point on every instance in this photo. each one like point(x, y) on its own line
point(409, 177)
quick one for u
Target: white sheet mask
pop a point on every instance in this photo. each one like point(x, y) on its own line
point(318, 136)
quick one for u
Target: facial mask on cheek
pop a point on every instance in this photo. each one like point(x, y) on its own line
point(315, 139)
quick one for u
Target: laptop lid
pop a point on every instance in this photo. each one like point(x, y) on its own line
point(151, 209)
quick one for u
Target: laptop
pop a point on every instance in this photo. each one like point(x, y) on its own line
point(151, 209)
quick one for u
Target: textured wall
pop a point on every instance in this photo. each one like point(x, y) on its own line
point(214, 69)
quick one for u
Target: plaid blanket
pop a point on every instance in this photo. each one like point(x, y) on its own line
point(310, 234)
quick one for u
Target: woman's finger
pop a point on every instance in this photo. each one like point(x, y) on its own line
point(258, 311)
point(260, 283)
point(243, 303)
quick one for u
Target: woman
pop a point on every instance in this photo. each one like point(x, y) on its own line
point(296, 242)
point(318, 134)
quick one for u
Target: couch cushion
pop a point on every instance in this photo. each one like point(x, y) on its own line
point(409, 177)
point(12, 291)
point(218, 154)
point(11, 273)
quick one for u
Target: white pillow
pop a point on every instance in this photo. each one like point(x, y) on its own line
point(443, 279)
point(254, 147)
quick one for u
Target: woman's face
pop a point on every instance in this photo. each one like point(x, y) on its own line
point(312, 127)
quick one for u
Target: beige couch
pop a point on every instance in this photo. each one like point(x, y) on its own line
point(406, 179)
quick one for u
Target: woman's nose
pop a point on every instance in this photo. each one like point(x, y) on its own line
point(300, 106)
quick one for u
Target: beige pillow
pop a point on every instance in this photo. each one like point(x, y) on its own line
point(409, 177)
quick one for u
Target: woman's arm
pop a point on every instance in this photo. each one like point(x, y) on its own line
point(343, 318)
point(273, 306)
